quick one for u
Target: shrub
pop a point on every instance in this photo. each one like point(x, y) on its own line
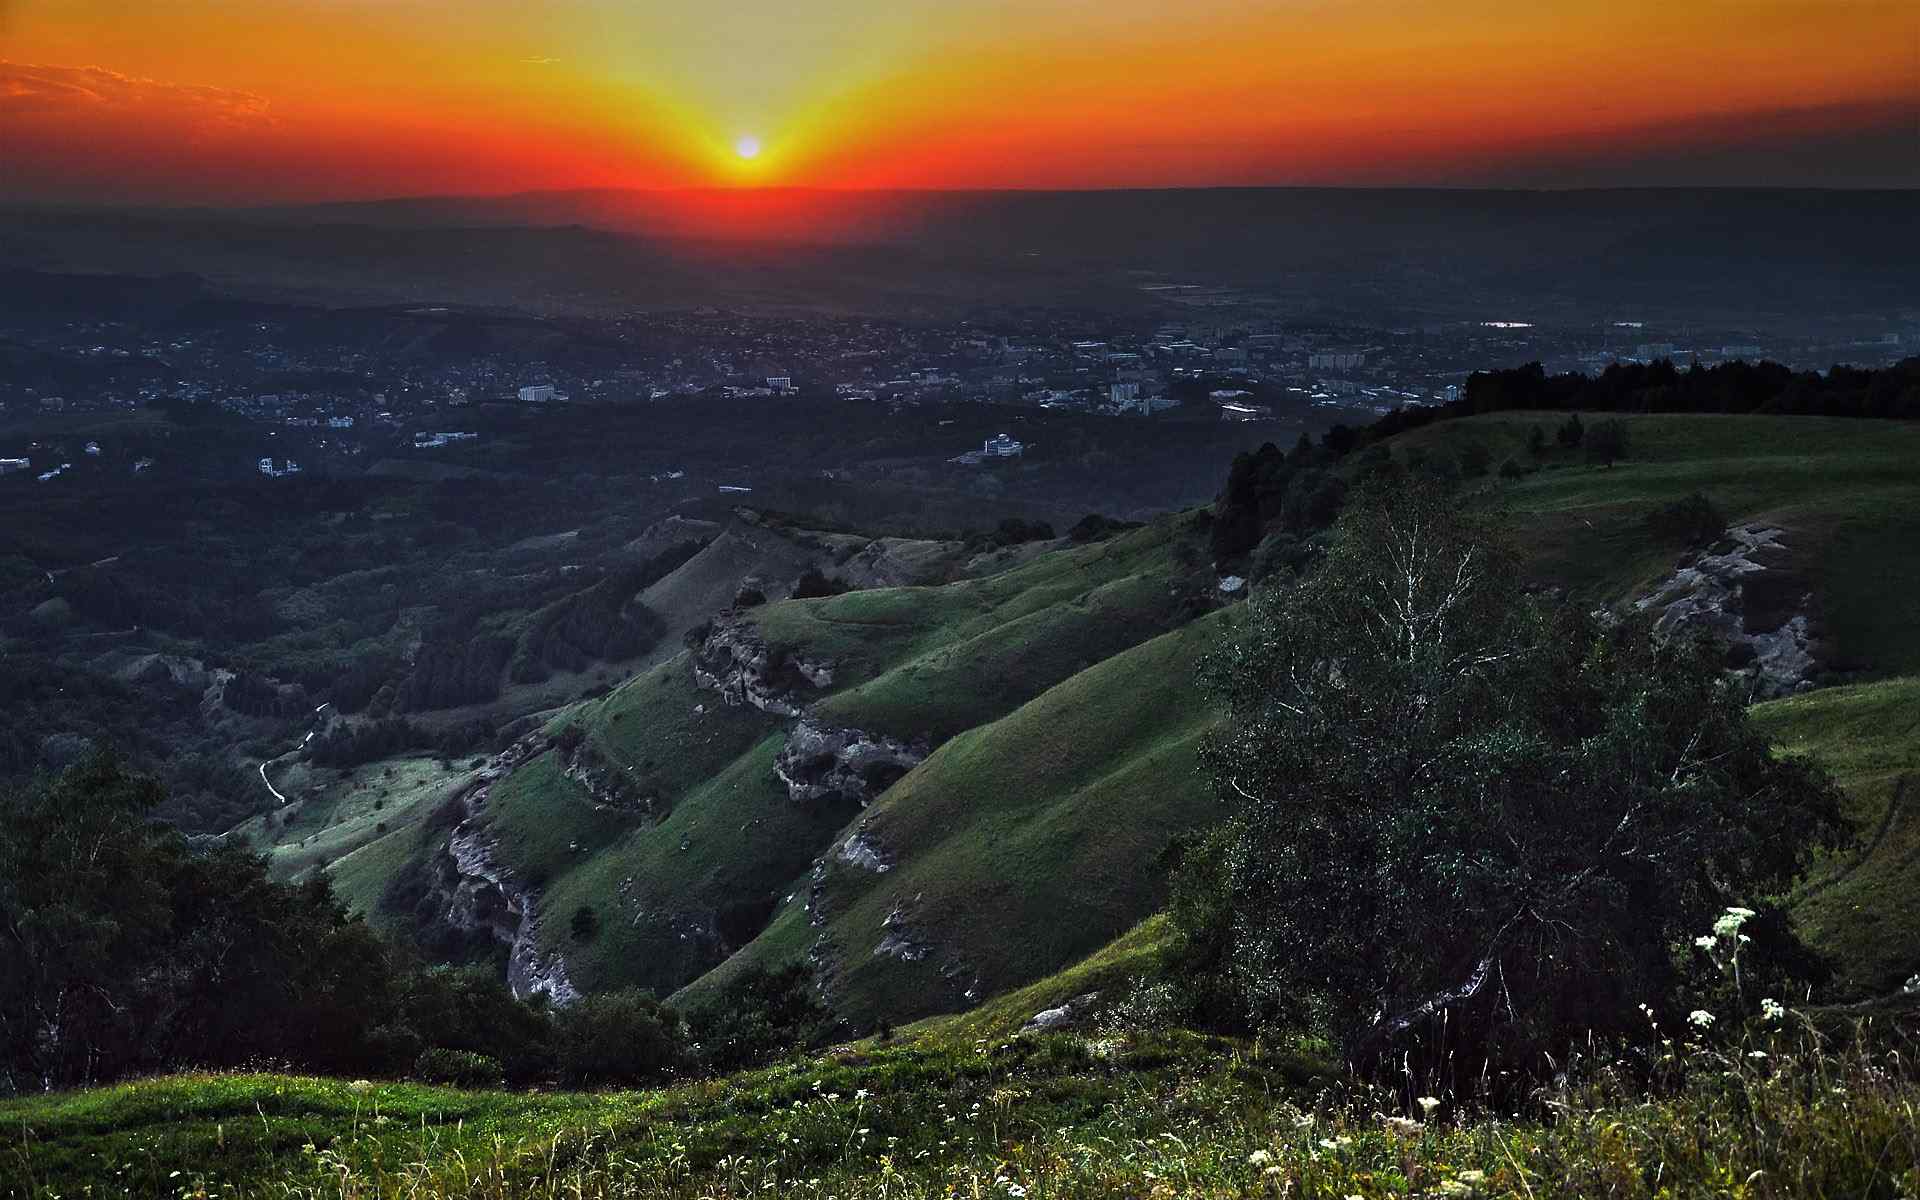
point(458, 1068)
point(815, 583)
point(624, 1037)
point(1690, 521)
point(1607, 442)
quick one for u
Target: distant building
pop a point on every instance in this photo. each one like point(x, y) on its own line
point(92, 450)
point(1002, 446)
point(1124, 395)
point(538, 393)
point(339, 422)
point(1236, 411)
point(1749, 353)
point(278, 468)
point(1230, 354)
point(9, 465)
point(1651, 351)
point(780, 383)
point(1336, 360)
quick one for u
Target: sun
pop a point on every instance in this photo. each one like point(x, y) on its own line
point(747, 147)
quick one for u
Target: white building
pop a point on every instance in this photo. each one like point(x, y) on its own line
point(780, 383)
point(1002, 446)
point(539, 393)
point(9, 465)
point(1124, 395)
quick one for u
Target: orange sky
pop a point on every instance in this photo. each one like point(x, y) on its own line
point(248, 100)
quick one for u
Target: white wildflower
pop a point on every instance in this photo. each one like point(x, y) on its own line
point(1259, 1158)
point(1403, 1126)
point(1428, 1104)
point(1705, 941)
point(1701, 1017)
point(1771, 1009)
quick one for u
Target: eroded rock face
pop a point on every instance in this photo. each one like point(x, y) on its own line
point(480, 892)
point(735, 661)
point(823, 763)
point(1749, 597)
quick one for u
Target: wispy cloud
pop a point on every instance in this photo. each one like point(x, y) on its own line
point(541, 60)
point(28, 89)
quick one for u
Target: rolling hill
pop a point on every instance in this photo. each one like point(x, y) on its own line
point(941, 793)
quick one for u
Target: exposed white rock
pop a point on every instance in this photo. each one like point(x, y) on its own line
point(820, 763)
point(1772, 643)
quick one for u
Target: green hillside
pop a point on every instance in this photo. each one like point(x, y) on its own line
point(1057, 695)
point(1863, 909)
point(1024, 844)
point(1847, 492)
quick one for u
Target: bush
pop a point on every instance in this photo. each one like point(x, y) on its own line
point(624, 1037)
point(1607, 442)
point(759, 1016)
point(1691, 521)
point(585, 923)
point(458, 1068)
point(815, 583)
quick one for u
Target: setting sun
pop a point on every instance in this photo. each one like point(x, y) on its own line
point(747, 147)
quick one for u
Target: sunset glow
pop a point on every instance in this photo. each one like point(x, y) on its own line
point(250, 100)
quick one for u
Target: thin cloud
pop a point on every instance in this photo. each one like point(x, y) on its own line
point(541, 60)
point(29, 90)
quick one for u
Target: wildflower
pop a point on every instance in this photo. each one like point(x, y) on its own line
point(1912, 985)
point(1403, 1126)
point(1427, 1105)
point(862, 1094)
point(1016, 1191)
point(1705, 941)
point(1259, 1158)
point(1476, 1178)
point(1730, 922)
point(1771, 1009)
point(1701, 1017)
point(1756, 1054)
point(360, 1085)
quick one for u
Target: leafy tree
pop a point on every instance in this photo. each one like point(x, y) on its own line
point(1606, 442)
point(1467, 821)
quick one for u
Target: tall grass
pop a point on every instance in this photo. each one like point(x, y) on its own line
point(1784, 1112)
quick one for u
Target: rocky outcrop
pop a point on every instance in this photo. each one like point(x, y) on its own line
point(1066, 1016)
point(860, 851)
point(1746, 593)
point(481, 894)
point(735, 661)
point(897, 938)
point(823, 763)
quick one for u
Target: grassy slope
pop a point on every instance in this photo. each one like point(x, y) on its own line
point(1058, 1116)
point(936, 661)
point(336, 816)
point(1864, 908)
point(1846, 491)
point(1025, 844)
point(909, 661)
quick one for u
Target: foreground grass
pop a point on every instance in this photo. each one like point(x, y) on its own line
point(1057, 1115)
